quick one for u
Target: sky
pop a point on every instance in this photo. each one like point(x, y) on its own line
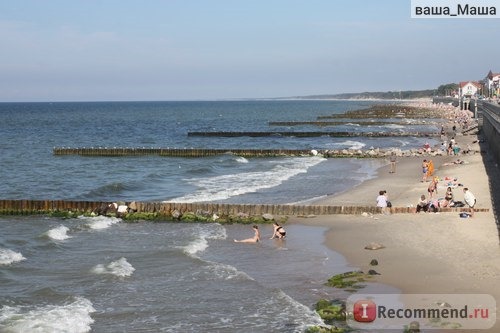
point(129, 50)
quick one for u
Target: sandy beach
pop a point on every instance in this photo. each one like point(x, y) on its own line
point(425, 253)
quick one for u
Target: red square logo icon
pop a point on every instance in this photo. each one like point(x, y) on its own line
point(364, 311)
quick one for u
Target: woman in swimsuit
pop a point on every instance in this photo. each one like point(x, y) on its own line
point(254, 239)
point(448, 198)
point(432, 189)
point(279, 232)
point(425, 169)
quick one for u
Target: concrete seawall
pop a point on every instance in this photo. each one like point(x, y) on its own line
point(168, 210)
point(491, 128)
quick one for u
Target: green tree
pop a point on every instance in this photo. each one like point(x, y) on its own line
point(447, 89)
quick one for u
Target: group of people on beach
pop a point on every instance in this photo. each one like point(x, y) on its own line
point(278, 233)
point(452, 148)
point(432, 203)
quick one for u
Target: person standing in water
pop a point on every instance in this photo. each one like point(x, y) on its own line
point(254, 239)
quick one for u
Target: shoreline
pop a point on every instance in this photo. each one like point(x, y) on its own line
point(424, 253)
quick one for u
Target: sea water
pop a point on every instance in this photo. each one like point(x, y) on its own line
point(159, 277)
point(103, 275)
point(30, 131)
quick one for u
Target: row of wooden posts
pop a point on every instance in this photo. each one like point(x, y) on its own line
point(29, 207)
point(313, 134)
point(177, 152)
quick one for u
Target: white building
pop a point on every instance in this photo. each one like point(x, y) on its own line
point(469, 88)
point(492, 81)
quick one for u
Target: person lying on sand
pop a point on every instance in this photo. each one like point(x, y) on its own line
point(254, 239)
point(458, 161)
point(451, 182)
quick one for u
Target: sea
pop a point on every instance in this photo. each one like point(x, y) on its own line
point(101, 274)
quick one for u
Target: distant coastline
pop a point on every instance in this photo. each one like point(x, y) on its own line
point(389, 95)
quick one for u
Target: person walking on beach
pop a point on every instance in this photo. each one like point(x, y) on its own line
point(425, 169)
point(470, 200)
point(278, 232)
point(432, 189)
point(382, 201)
point(254, 239)
point(392, 160)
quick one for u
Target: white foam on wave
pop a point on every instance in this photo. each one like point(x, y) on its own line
point(198, 245)
point(241, 159)
point(227, 186)
point(59, 233)
point(213, 270)
point(7, 256)
point(403, 143)
point(292, 311)
point(349, 144)
point(226, 272)
point(394, 126)
point(120, 268)
point(99, 222)
point(71, 317)
point(205, 232)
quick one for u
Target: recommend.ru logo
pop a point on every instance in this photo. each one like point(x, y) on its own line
point(427, 311)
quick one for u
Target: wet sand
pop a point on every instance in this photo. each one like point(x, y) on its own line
point(426, 252)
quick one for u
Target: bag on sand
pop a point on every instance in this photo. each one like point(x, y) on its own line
point(464, 215)
point(459, 204)
point(389, 204)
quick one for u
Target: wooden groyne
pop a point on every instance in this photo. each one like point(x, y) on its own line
point(313, 134)
point(179, 152)
point(171, 210)
point(346, 122)
point(197, 153)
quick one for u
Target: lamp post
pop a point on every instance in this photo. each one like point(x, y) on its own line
point(460, 97)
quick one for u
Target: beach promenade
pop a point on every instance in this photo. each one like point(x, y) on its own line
point(424, 253)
